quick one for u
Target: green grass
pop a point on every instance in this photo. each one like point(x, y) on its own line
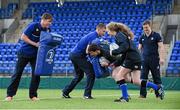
point(51, 99)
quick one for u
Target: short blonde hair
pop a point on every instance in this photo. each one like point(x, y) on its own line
point(100, 26)
point(47, 16)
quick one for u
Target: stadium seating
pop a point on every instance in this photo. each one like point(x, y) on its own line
point(8, 57)
point(73, 20)
point(174, 62)
point(161, 6)
point(8, 12)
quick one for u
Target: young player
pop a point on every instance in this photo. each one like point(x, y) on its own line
point(131, 62)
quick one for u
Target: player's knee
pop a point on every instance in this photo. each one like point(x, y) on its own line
point(90, 75)
point(79, 78)
point(113, 75)
point(136, 81)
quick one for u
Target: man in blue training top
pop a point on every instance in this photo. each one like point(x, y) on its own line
point(81, 64)
point(151, 46)
point(27, 54)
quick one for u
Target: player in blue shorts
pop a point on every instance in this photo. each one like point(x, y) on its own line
point(27, 54)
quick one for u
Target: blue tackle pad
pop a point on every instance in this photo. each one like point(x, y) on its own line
point(46, 53)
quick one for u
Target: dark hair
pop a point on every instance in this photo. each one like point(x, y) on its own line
point(147, 22)
point(93, 47)
point(47, 16)
point(101, 25)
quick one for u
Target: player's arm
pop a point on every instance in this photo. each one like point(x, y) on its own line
point(27, 40)
point(140, 47)
point(123, 46)
point(27, 33)
point(160, 48)
point(140, 44)
point(161, 51)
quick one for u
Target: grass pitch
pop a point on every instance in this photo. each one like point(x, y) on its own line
point(51, 99)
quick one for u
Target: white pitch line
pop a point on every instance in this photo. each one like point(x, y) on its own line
point(24, 99)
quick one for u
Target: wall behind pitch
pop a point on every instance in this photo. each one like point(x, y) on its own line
point(170, 83)
point(173, 19)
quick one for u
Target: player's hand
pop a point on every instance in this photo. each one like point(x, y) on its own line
point(37, 44)
point(112, 65)
point(161, 61)
point(104, 64)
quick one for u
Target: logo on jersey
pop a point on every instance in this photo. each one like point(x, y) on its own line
point(37, 29)
point(49, 56)
point(136, 67)
point(152, 38)
point(158, 67)
point(142, 39)
point(48, 30)
point(35, 34)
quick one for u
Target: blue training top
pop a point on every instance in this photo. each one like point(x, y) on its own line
point(32, 31)
point(81, 46)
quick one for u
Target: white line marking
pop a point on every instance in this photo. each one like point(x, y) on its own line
point(26, 99)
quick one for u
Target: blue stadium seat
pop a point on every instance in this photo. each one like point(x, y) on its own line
point(174, 63)
point(75, 19)
point(176, 71)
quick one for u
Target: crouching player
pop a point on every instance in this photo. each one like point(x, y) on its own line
point(131, 63)
point(101, 58)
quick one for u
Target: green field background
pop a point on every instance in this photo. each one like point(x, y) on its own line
point(103, 99)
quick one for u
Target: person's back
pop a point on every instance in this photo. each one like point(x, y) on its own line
point(81, 64)
point(80, 47)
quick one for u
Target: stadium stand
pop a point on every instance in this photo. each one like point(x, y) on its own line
point(8, 11)
point(174, 62)
point(75, 19)
point(161, 6)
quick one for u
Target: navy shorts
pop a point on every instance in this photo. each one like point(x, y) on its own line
point(132, 65)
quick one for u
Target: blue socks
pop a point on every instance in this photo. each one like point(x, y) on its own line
point(152, 85)
point(123, 87)
point(145, 83)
